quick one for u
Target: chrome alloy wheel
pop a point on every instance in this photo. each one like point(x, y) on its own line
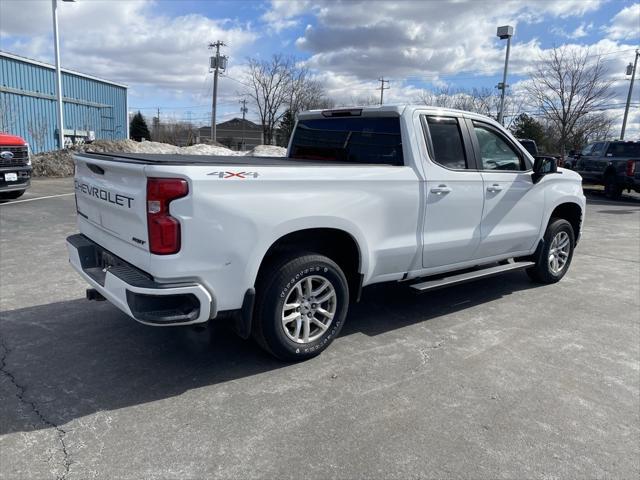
point(309, 309)
point(559, 252)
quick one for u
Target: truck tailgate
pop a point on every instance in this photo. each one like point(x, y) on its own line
point(111, 197)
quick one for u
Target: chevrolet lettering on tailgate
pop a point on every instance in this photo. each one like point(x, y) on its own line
point(104, 195)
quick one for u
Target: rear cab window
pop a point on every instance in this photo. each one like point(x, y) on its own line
point(630, 150)
point(359, 140)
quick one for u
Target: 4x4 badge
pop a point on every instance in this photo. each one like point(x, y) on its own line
point(242, 175)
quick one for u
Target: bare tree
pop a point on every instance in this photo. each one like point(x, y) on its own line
point(592, 127)
point(280, 85)
point(485, 101)
point(174, 132)
point(566, 87)
point(362, 100)
point(270, 89)
point(305, 93)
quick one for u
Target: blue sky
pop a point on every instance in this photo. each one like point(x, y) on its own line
point(158, 48)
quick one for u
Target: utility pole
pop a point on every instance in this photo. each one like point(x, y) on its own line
point(244, 110)
point(217, 63)
point(626, 108)
point(503, 32)
point(383, 88)
point(157, 122)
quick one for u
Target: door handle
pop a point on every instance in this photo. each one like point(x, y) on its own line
point(440, 189)
point(494, 188)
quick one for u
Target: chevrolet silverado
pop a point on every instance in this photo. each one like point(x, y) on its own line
point(279, 247)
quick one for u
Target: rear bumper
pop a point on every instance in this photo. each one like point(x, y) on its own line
point(136, 293)
point(23, 182)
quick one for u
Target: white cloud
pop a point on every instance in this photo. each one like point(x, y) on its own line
point(419, 37)
point(626, 24)
point(581, 31)
point(283, 13)
point(127, 42)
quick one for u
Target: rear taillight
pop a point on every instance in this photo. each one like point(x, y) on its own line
point(164, 230)
point(631, 168)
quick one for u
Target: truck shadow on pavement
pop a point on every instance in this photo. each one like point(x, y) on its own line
point(66, 360)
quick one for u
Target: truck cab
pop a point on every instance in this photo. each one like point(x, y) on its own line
point(615, 165)
point(15, 166)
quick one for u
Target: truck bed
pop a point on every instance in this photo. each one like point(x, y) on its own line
point(174, 159)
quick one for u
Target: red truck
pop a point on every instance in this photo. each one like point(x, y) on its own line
point(15, 166)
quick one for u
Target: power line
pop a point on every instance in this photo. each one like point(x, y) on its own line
point(237, 81)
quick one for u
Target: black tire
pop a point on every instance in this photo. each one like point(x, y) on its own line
point(612, 189)
point(11, 195)
point(542, 272)
point(273, 290)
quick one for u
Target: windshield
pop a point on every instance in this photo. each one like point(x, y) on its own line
point(368, 140)
point(624, 150)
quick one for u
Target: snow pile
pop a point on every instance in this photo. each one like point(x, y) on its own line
point(202, 149)
point(267, 151)
point(59, 163)
point(53, 164)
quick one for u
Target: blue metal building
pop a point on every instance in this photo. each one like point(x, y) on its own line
point(93, 108)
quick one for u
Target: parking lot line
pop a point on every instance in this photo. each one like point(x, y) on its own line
point(37, 198)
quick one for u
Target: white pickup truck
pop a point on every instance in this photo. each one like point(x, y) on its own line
point(279, 247)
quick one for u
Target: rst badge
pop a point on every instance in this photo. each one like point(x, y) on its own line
point(241, 175)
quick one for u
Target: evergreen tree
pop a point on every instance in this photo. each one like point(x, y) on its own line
point(527, 127)
point(286, 128)
point(138, 128)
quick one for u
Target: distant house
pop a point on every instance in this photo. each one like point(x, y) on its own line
point(231, 133)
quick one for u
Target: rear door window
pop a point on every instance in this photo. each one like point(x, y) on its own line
point(598, 150)
point(366, 140)
point(586, 151)
point(446, 142)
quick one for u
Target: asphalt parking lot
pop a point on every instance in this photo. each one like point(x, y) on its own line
point(496, 379)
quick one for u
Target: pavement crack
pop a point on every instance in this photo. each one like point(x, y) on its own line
point(424, 352)
point(20, 394)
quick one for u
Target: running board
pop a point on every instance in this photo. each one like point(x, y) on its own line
point(470, 276)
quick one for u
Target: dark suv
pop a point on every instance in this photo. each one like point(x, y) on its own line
point(616, 165)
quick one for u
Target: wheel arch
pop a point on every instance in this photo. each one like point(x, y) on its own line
point(571, 212)
point(338, 244)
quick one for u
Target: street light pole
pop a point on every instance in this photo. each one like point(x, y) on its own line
point(505, 31)
point(56, 46)
point(626, 108)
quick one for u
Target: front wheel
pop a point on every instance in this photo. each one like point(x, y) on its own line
point(554, 259)
point(301, 305)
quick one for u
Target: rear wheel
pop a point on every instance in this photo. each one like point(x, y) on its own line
point(11, 195)
point(611, 188)
point(555, 257)
point(301, 305)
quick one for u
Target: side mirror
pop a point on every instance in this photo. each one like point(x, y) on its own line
point(544, 166)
